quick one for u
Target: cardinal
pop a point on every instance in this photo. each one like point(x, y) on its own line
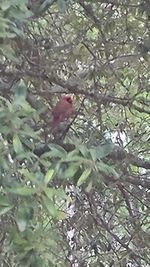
point(62, 111)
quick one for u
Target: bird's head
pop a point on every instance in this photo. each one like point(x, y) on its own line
point(68, 99)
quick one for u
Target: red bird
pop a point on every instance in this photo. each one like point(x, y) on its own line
point(62, 111)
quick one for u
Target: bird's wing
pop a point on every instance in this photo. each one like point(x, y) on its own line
point(59, 109)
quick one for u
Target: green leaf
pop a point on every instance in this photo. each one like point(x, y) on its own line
point(48, 176)
point(93, 154)
point(84, 177)
point(29, 176)
point(71, 170)
point(22, 224)
point(23, 191)
point(20, 93)
point(107, 169)
point(57, 151)
point(7, 50)
point(27, 108)
point(4, 210)
point(24, 216)
point(73, 159)
point(61, 193)
point(5, 5)
point(26, 155)
point(104, 150)
point(49, 205)
point(84, 151)
point(89, 187)
point(50, 192)
point(17, 144)
point(45, 163)
point(3, 201)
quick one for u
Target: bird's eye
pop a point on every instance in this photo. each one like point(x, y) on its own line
point(69, 100)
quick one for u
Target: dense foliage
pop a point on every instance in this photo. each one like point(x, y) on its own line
point(98, 52)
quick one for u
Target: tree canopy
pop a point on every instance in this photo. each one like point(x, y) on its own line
point(80, 197)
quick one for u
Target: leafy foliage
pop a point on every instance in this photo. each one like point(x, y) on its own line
point(98, 52)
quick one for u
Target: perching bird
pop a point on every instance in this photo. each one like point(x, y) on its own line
point(62, 111)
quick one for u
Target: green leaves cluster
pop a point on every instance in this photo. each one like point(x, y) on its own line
point(28, 194)
point(89, 49)
point(13, 15)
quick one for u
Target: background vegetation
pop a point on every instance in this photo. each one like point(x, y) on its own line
point(97, 52)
